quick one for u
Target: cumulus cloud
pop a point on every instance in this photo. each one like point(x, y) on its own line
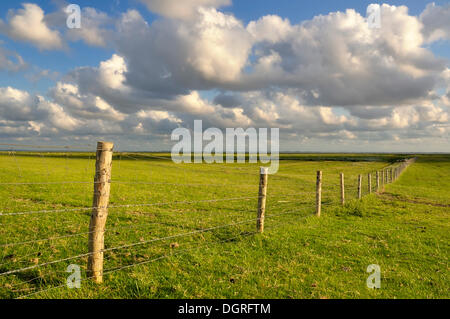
point(181, 9)
point(171, 57)
point(333, 60)
point(331, 78)
point(11, 61)
point(84, 106)
point(227, 100)
point(271, 28)
point(95, 26)
point(436, 22)
point(50, 32)
point(28, 24)
point(338, 60)
point(274, 74)
point(93, 31)
point(32, 112)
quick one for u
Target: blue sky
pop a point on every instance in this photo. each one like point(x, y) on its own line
point(332, 85)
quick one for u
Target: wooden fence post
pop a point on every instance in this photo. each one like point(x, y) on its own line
point(342, 189)
point(263, 179)
point(390, 176)
point(319, 193)
point(359, 186)
point(369, 182)
point(378, 181)
point(102, 185)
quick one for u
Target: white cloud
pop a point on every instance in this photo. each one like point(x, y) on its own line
point(181, 9)
point(331, 78)
point(171, 57)
point(96, 26)
point(93, 31)
point(337, 59)
point(28, 25)
point(436, 21)
point(334, 59)
point(33, 111)
point(84, 106)
point(111, 72)
point(270, 28)
point(11, 61)
point(16, 105)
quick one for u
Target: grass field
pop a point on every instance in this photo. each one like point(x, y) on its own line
point(404, 228)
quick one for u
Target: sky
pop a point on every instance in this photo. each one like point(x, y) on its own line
point(138, 69)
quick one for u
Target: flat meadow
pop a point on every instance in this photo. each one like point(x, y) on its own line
point(189, 230)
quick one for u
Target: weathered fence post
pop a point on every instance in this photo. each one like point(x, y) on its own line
point(263, 179)
point(381, 179)
point(342, 189)
point(378, 181)
point(359, 186)
point(319, 193)
point(390, 175)
point(102, 185)
point(369, 182)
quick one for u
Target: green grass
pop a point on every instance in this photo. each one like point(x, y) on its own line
point(405, 229)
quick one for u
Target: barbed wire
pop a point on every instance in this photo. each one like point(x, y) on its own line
point(179, 252)
point(77, 147)
point(141, 205)
point(113, 270)
point(122, 182)
point(126, 206)
point(91, 232)
point(153, 240)
point(137, 244)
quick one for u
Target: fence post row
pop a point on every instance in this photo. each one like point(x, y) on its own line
point(319, 193)
point(263, 179)
point(102, 186)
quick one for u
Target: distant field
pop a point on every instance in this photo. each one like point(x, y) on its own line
point(404, 229)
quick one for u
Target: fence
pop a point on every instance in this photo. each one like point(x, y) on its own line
point(157, 233)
